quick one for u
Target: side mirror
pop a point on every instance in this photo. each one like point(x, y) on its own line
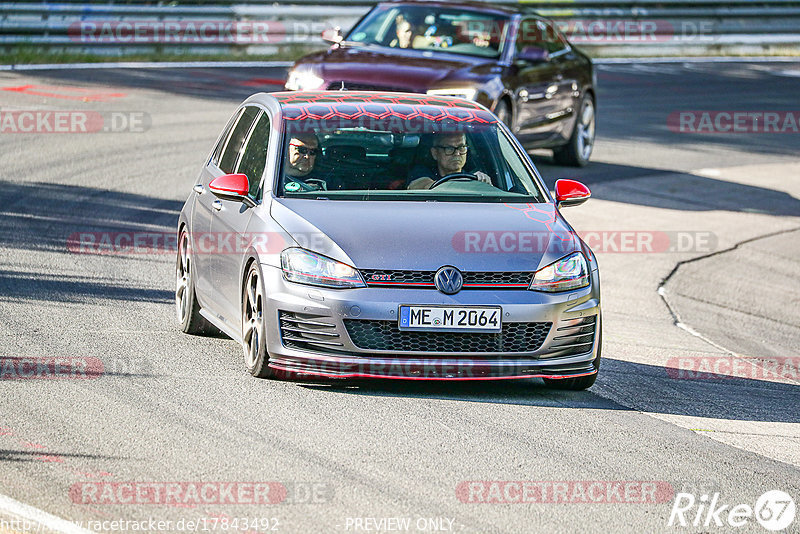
point(533, 54)
point(571, 193)
point(232, 186)
point(333, 35)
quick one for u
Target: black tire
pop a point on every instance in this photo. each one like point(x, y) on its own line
point(186, 305)
point(503, 112)
point(581, 382)
point(254, 341)
point(578, 150)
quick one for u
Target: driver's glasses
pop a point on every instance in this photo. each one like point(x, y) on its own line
point(305, 151)
point(449, 150)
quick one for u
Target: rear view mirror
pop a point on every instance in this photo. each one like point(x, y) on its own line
point(333, 35)
point(571, 193)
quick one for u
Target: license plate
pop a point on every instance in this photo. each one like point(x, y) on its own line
point(451, 318)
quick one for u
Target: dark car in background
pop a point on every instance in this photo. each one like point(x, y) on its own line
point(516, 64)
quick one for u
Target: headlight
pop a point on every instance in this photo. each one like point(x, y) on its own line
point(467, 93)
point(306, 267)
point(303, 80)
point(565, 274)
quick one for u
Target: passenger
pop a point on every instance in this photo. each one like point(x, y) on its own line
point(449, 152)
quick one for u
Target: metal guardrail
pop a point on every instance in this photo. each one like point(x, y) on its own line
point(677, 26)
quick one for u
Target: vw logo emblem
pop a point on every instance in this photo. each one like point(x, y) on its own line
point(448, 280)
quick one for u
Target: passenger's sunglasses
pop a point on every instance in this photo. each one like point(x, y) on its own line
point(305, 151)
point(449, 150)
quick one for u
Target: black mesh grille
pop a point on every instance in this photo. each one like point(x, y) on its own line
point(472, 280)
point(385, 335)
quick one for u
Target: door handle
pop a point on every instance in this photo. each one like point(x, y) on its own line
point(198, 188)
point(217, 205)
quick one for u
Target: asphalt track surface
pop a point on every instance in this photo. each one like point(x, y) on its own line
point(175, 408)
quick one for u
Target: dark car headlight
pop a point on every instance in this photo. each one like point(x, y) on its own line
point(306, 267)
point(303, 80)
point(570, 272)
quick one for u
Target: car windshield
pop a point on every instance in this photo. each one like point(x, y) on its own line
point(409, 153)
point(455, 31)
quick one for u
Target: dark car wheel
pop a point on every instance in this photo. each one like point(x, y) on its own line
point(578, 150)
point(186, 303)
point(254, 342)
point(581, 382)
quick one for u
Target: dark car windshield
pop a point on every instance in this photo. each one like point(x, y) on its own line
point(455, 31)
point(413, 153)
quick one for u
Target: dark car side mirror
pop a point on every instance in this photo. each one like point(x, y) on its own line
point(232, 186)
point(533, 54)
point(571, 193)
point(333, 35)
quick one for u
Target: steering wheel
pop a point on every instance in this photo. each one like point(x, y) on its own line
point(453, 176)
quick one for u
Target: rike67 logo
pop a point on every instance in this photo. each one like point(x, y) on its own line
point(774, 510)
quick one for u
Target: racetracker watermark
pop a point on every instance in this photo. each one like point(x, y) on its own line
point(716, 367)
point(73, 121)
point(177, 493)
point(774, 510)
point(140, 242)
point(467, 241)
point(564, 492)
point(207, 32)
point(612, 241)
point(734, 122)
point(50, 368)
point(592, 31)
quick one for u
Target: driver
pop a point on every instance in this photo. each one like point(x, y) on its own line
point(300, 159)
point(404, 30)
point(449, 152)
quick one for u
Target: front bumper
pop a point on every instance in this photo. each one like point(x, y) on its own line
point(310, 332)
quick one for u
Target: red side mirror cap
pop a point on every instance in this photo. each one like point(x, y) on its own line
point(230, 185)
point(571, 193)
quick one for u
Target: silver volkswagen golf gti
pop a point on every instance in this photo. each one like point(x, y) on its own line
point(350, 234)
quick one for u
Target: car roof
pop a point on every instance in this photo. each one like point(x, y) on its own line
point(305, 98)
point(477, 6)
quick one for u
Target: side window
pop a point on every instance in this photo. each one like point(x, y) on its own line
point(254, 158)
point(535, 32)
point(224, 138)
point(235, 142)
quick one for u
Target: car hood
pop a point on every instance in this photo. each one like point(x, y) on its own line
point(400, 70)
point(427, 235)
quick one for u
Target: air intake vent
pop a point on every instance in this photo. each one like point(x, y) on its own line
point(575, 336)
point(308, 332)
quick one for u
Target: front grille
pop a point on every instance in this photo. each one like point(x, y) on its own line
point(308, 332)
point(424, 279)
point(351, 86)
point(574, 336)
point(386, 335)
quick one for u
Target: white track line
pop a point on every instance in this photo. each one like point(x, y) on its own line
point(695, 59)
point(242, 64)
point(39, 517)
